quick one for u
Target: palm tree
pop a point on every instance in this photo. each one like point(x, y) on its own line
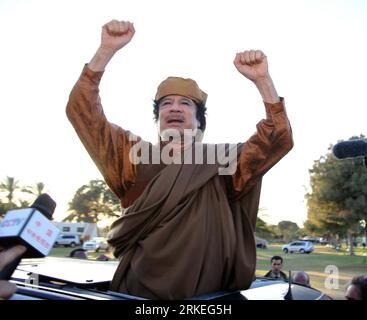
point(93, 202)
point(36, 190)
point(24, 203)
point(9, 185)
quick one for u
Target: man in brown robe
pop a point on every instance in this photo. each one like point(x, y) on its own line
point(186, 229)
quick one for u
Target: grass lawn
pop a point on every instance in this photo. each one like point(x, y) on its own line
point(64, 252)
point(316, 264)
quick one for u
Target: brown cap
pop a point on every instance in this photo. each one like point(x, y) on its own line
point(182, 87)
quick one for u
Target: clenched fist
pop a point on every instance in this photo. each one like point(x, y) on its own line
point(116, 34)
point(252, 64)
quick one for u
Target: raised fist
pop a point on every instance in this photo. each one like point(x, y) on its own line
point(116, 34)
point(252, 64)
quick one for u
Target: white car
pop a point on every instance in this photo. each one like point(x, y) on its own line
point(298, 246)
point(67, 240)
point(97, 243)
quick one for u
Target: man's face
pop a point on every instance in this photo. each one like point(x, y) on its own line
point(276, 266)
point(177, 112)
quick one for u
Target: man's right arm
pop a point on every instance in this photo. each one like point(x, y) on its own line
point(107, 144)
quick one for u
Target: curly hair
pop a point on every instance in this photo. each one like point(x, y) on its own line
point(200, 113)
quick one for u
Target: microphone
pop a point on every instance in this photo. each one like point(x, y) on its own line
point(30, 227)
point(350, 149)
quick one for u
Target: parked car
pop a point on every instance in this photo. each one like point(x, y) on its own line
point(67, 240)
point(298, 246)
point(261, 243)
point(97, 243)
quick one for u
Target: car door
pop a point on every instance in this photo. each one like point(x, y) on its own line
point(63, 240)
point(294, 246)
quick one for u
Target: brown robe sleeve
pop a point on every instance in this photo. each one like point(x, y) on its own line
point(271, 142)
point(107, 144)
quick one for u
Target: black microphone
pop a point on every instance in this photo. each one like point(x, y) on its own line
point(30, 227)
point(350, 149)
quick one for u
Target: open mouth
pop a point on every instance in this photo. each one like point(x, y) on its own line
point(175, 121)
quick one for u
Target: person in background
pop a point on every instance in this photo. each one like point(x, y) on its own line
point(301, 277)
point(79, 253)
point(103, 257)
point(276, 266)
point(357, 288)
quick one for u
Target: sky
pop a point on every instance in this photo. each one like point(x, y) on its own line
point(316, 51)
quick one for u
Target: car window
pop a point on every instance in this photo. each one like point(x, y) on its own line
point(67, 236)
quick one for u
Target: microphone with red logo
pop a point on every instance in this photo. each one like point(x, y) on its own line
point(30, 227)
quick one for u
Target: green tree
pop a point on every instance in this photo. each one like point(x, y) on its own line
point(9, 186)
point(338, 198)
point(289, 230)
point(4, 207)
point(36, 189)
point(264, 230)
point(15, 199)
point(93, 202)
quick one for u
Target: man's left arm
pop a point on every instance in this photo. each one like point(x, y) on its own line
point(254, 66)
point(273, 137)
